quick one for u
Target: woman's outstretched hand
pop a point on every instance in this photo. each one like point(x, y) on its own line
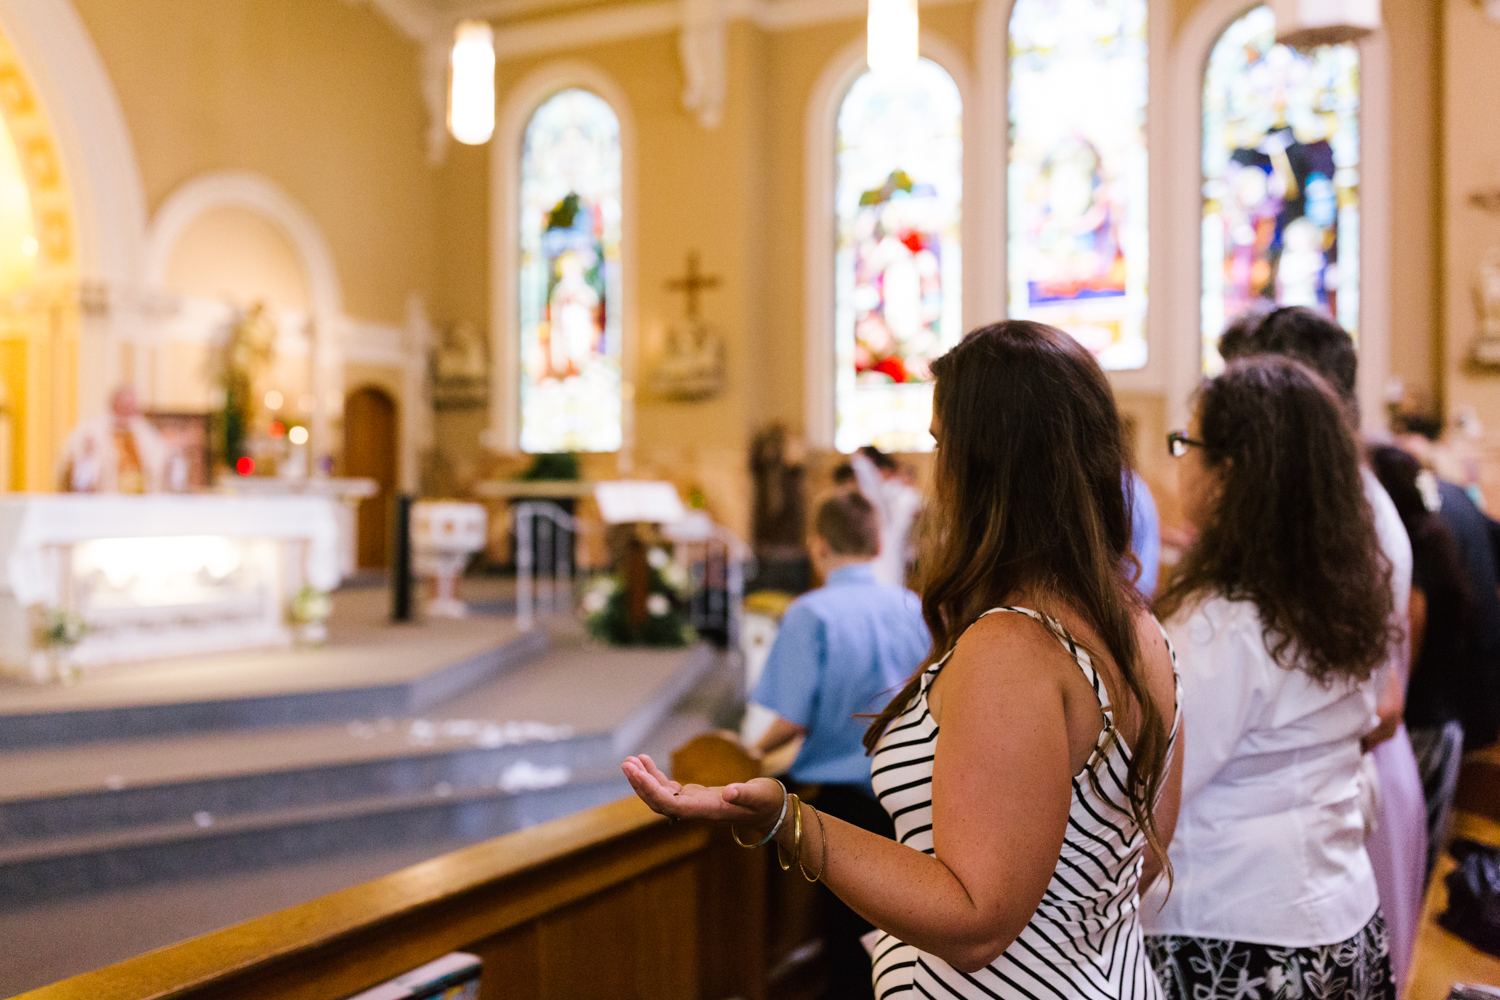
point(752, 804)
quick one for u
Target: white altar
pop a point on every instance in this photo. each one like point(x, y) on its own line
point(159, 575)
point(347, 491)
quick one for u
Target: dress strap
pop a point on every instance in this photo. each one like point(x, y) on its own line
point(1078, 653)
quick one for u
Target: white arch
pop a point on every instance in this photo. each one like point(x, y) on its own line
point(992, 132)
point(819, 222)
point(259, 194)
point(98, 156)
point(525, 96)
point(1184, 221)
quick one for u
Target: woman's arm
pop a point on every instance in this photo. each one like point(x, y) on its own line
point(1001, 792)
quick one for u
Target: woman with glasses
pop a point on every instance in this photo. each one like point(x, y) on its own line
point(1280, 612)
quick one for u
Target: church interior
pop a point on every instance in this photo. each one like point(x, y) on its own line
point(408, 408)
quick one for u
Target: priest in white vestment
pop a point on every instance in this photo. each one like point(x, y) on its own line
point(119, 452)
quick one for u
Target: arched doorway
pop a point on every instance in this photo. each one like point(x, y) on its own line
point(370, 451)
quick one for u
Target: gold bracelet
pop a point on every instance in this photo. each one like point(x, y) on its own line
point(796, 857)
point(823, 837)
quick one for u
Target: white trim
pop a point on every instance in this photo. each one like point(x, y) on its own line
point(819, 223)
point(1182, 239)
point(109, 200)
point(525, 96)
point(991, 55)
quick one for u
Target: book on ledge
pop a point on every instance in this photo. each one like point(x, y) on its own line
point(455, 976)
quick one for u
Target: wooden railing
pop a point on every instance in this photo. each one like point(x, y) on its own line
point(611, 902)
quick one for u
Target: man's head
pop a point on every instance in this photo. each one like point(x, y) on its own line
point(848, 531)
point(844, 479)
point(884, 464)
point(124, 404)
point(1300, 333)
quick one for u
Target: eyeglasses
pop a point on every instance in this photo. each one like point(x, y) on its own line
point(1178, 443)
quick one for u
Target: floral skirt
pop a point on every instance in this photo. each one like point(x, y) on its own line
point(1194, 968)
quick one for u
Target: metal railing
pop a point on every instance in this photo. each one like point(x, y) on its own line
point(542, 528)
point(716, 559)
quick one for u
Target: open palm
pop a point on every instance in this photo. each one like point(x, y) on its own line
point(751, 803)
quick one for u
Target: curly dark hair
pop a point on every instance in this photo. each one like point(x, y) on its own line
point(1291, 530)
point(1302, 333)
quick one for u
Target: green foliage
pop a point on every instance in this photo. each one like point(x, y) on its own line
point(60, 628)
point(553, 468)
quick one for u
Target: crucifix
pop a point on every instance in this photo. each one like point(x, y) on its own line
point(693, 283)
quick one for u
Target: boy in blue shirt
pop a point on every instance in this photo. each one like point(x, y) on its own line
point(842, 651)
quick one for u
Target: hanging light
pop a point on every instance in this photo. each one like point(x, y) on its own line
point(1305, 23)
point(891, 35)
point(471, 90)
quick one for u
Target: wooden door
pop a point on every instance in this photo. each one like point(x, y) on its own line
point(370, 450)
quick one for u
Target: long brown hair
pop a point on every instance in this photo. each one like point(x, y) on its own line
point(1291, 529)
point(1028, 493)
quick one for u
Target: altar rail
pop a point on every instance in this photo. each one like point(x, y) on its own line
point(612, 902)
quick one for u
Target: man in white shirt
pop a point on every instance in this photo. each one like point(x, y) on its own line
point(119, 452)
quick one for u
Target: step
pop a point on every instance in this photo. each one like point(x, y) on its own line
point(150, 704)
point(115, 859)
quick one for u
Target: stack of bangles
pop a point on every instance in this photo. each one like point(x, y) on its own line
point(791, 799)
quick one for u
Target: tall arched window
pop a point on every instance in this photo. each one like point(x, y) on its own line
point(898, 266)
point(569, 281)
point(1280, 178)
point(1077, 181)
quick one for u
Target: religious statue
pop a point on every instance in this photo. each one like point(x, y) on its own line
point(1486, 349)
point(119, 452)
point(777, 461)
point(460, 368)
point(691, 365)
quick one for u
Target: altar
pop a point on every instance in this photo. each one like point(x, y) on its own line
point(159, 575)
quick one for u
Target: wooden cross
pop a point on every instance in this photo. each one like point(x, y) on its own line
point(693, 283)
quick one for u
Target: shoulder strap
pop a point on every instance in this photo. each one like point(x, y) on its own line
point(1078, 653)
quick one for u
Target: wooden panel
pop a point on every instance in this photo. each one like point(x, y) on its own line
point(510, 965)
point(669, 945)
point(370, 451)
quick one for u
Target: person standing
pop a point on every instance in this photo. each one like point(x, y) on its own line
point(1398, 841)
point(119, 452)
point(1282, 620)
point(1036, 741)
point(840, 651)
point(887, 486)
point(1442, 639)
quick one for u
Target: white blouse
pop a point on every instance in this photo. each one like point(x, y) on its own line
point(1269, 846)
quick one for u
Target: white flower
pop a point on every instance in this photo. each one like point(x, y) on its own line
point(658, 605)
point(595, 600)
point(677, 578)
point(658, 558)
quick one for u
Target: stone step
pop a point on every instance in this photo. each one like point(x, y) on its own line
point(114, 859)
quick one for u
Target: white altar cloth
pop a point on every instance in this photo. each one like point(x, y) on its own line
point(163, 574)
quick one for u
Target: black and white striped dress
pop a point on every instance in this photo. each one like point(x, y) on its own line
point(1084, 941)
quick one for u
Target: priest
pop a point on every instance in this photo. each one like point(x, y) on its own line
point(119, 452)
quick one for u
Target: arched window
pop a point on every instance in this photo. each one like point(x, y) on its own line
point(1280, 178)
point(1077, 181)
point(898, 265)
point(569, 281)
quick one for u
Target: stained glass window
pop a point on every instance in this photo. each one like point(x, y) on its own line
point(1077, 180)
point(1280, 178)
point(569, 283)
point(898, 266)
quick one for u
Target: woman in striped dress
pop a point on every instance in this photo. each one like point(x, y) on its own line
point(1028, 764)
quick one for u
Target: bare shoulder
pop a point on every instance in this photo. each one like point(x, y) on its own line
point(1156, 658)
point(1004, 655)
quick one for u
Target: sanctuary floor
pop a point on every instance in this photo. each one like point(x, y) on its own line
point(562, 715)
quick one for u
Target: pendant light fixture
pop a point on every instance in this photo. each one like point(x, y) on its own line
point(471, 87)
point(891, 36)
point(1306, 23)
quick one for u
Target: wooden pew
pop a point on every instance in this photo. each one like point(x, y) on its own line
point(611, 902)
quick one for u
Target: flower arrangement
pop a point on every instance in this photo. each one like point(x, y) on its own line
point(308, 612)
point(59, 628)
point(666, 624)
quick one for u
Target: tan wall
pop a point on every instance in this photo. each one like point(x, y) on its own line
point(321, 96)
point(239, 255)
